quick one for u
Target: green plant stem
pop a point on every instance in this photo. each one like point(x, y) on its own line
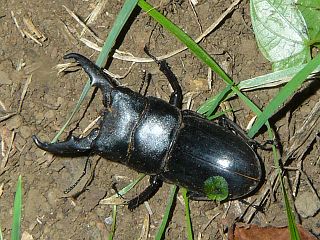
point(114, 222)
point(187, 214)
point(167, 212)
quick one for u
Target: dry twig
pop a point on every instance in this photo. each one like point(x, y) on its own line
point(24, 92)
point(75, 17)
point(145, 228)
point(6, 157)
point(94, 14)
point(17, 24)
point(32, 28)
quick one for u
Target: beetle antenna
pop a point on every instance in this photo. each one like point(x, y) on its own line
point(84, 172)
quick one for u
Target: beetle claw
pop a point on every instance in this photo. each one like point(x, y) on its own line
point(73, 146)
point(40, 144)
point(98, 77)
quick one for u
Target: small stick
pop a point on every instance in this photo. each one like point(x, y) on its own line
point(75, 17)
point(17, 24)
point(145, 228)
point(32, 28)
point(297, 179)
point(3, 106)
point(196, 14)
point(24, 91)
point(1, 189)
point(94, 14)
point(209, 222)
point(29, 35)
point(209, 78)
point(91, 125)
point(6, 157)
point(67, 34)
point(147, 205)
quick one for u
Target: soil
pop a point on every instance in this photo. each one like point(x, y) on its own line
point(50, 97)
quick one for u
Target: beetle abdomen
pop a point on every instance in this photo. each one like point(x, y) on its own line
point(204, 149)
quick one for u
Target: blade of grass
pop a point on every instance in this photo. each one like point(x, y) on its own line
point(184, 38)
point(294, 233)
point(124, 190)
point(167, 212)
point(114, 221)
point(187, 214)
point(16, 223)
point(211, 105)
point(283, 95)
point(117, 27)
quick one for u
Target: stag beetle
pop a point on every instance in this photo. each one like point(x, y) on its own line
point(157, 138)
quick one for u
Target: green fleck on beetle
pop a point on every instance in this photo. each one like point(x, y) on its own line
point(216, 188)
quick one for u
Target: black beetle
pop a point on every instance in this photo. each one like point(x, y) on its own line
point(157, 138)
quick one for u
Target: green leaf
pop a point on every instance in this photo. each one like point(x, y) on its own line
point(293, 229)
point(216, 188)
point(293, 61)
point(281, 32)
point(17, 206)
point(310, 10)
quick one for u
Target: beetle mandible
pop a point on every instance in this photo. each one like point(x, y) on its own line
point(157, 138)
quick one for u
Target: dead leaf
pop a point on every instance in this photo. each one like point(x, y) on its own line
point(249, 232)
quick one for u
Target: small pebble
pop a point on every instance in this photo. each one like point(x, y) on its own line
point(14, 122)
point(52, 198)
point(108, 220)
point(307, 204)
point(39, 116)
point(26, 236)
point(50, 115)
point(4, 78)
point(25, 132)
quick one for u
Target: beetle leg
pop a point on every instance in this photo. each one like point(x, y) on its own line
point(227, 123)
point(232, 126)
point(257, 207)
point(98, 77)
point(176, 95)
point(87, 167)
point(197, 196)
point(147, 80)
point(149, 192)
point(71, 147)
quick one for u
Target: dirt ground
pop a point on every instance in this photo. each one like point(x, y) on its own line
point(47, 213)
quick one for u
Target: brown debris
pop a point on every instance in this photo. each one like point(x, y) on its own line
point(249, 232)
